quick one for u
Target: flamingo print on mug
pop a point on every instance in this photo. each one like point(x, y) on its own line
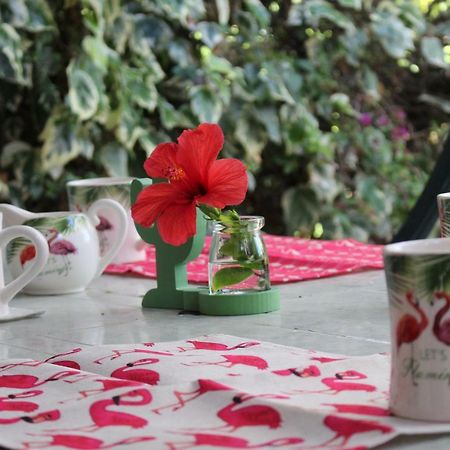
point(418, 282)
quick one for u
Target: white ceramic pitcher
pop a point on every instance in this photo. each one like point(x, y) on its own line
point(74, 251)
point(8, 291)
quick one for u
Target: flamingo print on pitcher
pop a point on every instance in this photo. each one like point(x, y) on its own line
point(74, 250)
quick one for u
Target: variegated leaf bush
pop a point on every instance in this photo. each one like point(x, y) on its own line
point(337, 107)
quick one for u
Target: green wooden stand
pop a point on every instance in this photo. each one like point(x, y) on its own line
point(171, 261)
point(173, 290)
point(239, 304)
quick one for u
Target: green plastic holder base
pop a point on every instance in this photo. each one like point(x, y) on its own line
point(239, 304)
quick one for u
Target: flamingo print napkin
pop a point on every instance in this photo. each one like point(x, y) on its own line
point(214, 391)
point(291, 259)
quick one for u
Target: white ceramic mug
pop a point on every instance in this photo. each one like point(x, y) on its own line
point(82, 193)
point(418, 281)
point(8, 291)
point(74, 250)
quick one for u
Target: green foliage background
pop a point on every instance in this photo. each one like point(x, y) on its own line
point(337, 107)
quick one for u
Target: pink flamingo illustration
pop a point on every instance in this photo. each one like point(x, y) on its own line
point(223, 440)
point(66, 363)
point(104, 224)
point(441, 329)
point(310, 371)
point(345, 428)
point(325, 359)
point(46, 416)
point(233, 360)
point(60, 247)
point(10, 404)
point(408, 327)
point(366, 410)
point(109, 384)
point(343, 381)
point(83, 442)
point(118, 353)
point(103, 417)
point(30, 381)
point(40, 363)
point(202, 345)
point(28, 253)
point(128, 372)
point(204, 386)
point(249, 416)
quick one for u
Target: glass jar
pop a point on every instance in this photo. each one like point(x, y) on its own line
point(238, 261)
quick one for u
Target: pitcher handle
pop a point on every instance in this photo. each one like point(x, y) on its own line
point(106, 203)
point(32, 269)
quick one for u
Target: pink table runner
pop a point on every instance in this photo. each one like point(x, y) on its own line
point(291, 259)
point(212, 391)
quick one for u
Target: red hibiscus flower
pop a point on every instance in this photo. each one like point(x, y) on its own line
point(195, 177)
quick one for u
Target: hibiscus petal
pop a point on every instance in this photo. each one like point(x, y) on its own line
point(162, 162)
point(152, 201)
point(227, 184)
point(177, 223)
point(198, 149)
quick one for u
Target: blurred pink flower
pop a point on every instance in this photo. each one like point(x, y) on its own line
point(399, 114)
point(365, 119)
point(383, 120)
point(400, 134)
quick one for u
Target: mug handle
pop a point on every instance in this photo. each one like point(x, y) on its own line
point(38, 263)
point(92, 213)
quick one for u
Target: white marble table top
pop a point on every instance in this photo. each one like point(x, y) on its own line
point(346, 314)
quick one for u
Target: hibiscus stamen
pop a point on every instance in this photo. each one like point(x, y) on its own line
point(174, 173)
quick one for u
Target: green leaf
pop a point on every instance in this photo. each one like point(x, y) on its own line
point(83, 96)
point(253, 141)
point(367, 189)
point(149, 33)
point(230, 276)
point(143, 93)
point(274, 82)
point(212, 33)
point(254, 265)
point(18, 13)
point(433, 51)
point(268, 116)
point(231, 247)
point(434, 100)
point(355, 4)
point(395, 37)
point(300, 209)
point(114, 158)
point(205, 105)
point(99, 52)
point(370, 82)
point(14, 247)
point(259, 11)
point(341, 102)
point(11, 56)
point(63, 140)
point(40, 16)
point(223, 11)
point(317, 10)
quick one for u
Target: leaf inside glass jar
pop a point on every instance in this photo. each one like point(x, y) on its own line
point(229, 276)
